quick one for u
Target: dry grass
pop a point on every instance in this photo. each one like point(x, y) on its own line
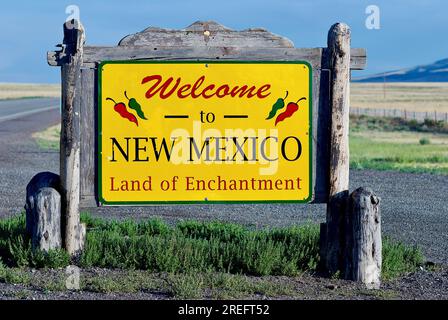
point(48, 138)
point(50, 134)
point(28, 90)
point(404, 137)
point(404, 96)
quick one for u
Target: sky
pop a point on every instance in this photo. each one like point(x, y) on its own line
point(411, 32)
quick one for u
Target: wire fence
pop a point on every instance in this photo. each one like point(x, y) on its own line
point(404, 114)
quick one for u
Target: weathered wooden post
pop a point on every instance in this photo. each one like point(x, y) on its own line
point(363, 252)
point(43, 211)
point(73, 43)
point(52, 204)
point(339, 51)
point(351, 236)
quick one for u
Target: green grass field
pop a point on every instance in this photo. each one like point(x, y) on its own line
point(394, 144)
point(366, 153)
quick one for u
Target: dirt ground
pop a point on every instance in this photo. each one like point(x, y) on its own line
point(421, 285)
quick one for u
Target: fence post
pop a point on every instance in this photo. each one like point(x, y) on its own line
point(339, 51)
point(73, 43)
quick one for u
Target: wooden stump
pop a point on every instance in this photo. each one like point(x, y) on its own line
point(40, 180)
point(43, 211)
point(363, 253)
point(46, 234)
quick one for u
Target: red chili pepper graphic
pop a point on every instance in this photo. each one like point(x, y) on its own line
point(120, 108)
point(291, 108)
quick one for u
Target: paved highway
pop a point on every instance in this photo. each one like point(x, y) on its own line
point(13, 109)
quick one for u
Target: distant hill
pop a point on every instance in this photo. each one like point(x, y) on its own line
point(435, 72)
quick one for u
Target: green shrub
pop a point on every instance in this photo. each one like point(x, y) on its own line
point(190, 247)
point(424, 141)
point(363, 122)
point(399, 258)
point(15, 247)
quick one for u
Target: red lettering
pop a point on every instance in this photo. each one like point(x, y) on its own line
point(112, 184)
point(240, 92)
point(196, 86)
point(167, 88)
point(162, 89)
point(164, 95)
point(224, 88)
point(182, 89)
point(262, 89)
point(190, 186)
point(150, 93)
point(208, 88)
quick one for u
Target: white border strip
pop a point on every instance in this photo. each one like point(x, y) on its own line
point(26, 113)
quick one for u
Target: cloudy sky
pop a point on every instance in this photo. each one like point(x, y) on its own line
point(412, 32)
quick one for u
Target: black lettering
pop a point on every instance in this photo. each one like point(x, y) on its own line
point(163, 145)
point(299, 148)
point(123, 153)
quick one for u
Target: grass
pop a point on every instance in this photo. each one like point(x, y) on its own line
point(15, 247)
point(369, 123)
point(399, 145)
point(192, 248)
point(28, 90)
point(191, 260)
point(399, 258)
point(48, 139)
point(420, 97)
point(410, 157)
point(14, 275)
point(199, 246)
point(180, 286)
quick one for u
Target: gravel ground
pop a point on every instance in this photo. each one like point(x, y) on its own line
point(421, 285)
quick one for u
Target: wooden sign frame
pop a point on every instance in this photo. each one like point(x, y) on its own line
point(194, 44)
point(331, 68)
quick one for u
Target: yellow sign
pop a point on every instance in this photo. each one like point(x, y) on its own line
point(194, 132)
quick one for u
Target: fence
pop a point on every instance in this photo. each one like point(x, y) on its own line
point(398, 113)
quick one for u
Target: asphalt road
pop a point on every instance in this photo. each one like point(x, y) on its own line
point(414, 206)
point(13, 109)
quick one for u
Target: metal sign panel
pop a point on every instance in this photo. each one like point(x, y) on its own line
point(195, 132)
